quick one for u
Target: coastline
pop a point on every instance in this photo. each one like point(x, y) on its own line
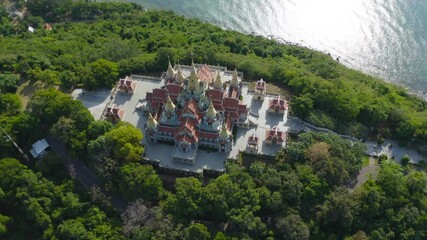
point(340, 59)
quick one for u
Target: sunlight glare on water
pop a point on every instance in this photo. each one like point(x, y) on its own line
point(383, 37)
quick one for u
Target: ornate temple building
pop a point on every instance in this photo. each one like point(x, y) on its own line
point(114, 114)
point(195, 110)
point(127, 85)
point(260, 90)
point(275, 136)
point(277, 105)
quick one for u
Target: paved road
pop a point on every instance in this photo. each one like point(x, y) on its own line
point(363, 176)
point(82, 173)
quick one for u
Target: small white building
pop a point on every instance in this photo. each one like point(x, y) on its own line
point(39, 148)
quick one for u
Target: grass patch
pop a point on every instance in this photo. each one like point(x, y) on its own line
point(26, 90)
point(365, 161)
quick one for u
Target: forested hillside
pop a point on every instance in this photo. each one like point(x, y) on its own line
point(302, 194)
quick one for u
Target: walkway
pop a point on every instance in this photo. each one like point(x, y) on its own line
point(364, 174)
point(80, 172)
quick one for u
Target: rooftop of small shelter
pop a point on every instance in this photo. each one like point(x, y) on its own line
point(38, 148)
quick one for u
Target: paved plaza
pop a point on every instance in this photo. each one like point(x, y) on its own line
point(392, 150)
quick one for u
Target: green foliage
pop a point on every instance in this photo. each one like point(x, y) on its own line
point(126, 141)
point(293, 227)
point(98, 128)
point(10, 104)
point(332, 158)
point(8, 83)
point(198, 231)
point(140, 181)
point(47, 210)
point(189, 201)
point(50, 105)
point(103, 74)
point(394, 206)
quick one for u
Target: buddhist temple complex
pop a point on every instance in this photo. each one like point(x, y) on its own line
point(199, 110)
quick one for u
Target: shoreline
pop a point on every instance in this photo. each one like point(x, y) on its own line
point(341, 60)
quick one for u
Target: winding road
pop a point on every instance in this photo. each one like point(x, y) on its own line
point(364, 173)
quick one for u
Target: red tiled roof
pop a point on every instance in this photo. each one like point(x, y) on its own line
point(159, 94)
point(230, 103)
point(127, 83)
point(241, 109)
point(278, 103)
point(218, 107)
point(253, 139)
point(191, 106)
point(167, 129)
point(232, 92)
point(275, 134)
point(205, 74)
point(186, 138)
point(214, 95)
point(155, 105)
point(228, 123)
point(208, 135)
point(149, 96)
point(115, 112)
point(233, 115)
point(173, 90)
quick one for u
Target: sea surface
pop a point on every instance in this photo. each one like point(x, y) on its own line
point(386, 38)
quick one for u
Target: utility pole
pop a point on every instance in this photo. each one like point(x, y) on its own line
point(24, 155)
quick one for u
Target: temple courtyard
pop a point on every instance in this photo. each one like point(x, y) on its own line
point(130, 105)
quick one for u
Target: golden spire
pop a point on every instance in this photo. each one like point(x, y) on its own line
point(169, 105)
point(224, 134)
point(180, 76)
point(211, 111)
point(235, 79)
point(171, 72)
point(152, 123)
point(193, 82)
point(218, 81)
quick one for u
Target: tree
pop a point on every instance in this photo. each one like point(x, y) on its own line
point(337, 212)
point(318, 152)
point(3, 221)
point(10, 104)
point(72, 229)
point(198, 231)
point(292, 227)
point(8, 83)
point(189, 201)
point(98, 128)
point(126, 141)
point(140, 181)
point(64, 130)
point(104, 72)
point(137, 214)
point(302, 105)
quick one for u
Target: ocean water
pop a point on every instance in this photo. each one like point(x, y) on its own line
point(386, 38)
